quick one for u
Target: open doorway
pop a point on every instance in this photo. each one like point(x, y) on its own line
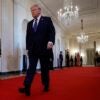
point(90, 56)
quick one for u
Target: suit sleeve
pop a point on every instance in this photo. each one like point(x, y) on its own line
point(27, 37)
point(51, 31)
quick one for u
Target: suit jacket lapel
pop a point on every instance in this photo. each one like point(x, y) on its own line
point(40, 23)
point(32, 27)
point(32, 24)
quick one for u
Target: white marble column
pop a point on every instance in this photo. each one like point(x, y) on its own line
point(0, 32)
point(7, 36)
point(21, 16)
point(0, 18)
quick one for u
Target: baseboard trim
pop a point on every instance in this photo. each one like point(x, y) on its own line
point(19, 72)
point(10, 73)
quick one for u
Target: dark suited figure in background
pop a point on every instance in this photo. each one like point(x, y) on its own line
point(67, 59)
point(81, 61)
point(71, 61)
point(75, 60)
point(96, 58)
point(60, 59)
point(40, 39)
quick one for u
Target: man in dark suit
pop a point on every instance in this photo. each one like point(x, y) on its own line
point(67, 59)
point(60, 59)
point(40, 39)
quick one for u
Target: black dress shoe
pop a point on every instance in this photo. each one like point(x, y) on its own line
point(25, 90)
point(22, 90)
point(46, 89)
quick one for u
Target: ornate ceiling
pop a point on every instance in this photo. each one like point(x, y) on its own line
point(89, 12)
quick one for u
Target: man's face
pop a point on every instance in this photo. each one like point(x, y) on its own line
point(36, 11)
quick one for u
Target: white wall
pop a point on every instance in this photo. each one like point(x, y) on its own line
point(14, 17)
point(98, 45)
point(0, 18)
point(7, 35)
point(21, 13)
point(59, 44)
point(0, 32)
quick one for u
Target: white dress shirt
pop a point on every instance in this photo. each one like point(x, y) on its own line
point(38, 19)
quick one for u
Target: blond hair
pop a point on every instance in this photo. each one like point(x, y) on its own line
point(35, 5)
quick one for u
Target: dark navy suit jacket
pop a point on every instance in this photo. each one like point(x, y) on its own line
point(36, 42)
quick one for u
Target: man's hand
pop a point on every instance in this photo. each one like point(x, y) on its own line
point(49, 45)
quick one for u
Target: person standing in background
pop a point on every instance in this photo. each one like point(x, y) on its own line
point(67, 59)
point(75, 60)
point(78, 59)
point(71, 61)
point(81, 61)
point(60, 59)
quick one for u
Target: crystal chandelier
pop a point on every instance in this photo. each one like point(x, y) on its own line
point(68, 12)
point(82, 37)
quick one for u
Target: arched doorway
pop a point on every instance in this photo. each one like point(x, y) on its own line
point(24, 27)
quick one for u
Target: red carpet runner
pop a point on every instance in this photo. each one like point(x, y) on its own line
point(66, 84)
